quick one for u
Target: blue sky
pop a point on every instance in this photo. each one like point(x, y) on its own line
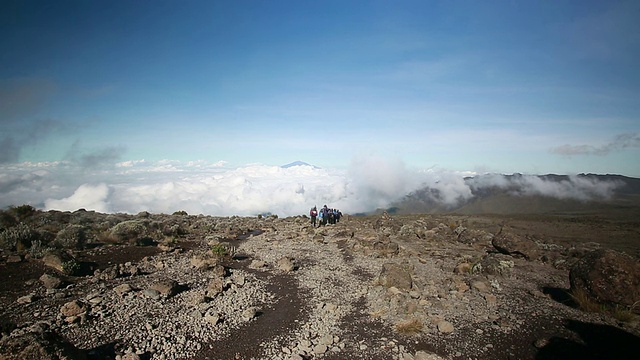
point(468, 86)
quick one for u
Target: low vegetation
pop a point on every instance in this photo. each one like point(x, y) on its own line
point(410, 326)
point(586, 303)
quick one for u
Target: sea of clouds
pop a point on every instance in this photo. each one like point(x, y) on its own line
point(202, 187)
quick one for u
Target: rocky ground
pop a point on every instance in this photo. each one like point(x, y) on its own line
point(405, 287)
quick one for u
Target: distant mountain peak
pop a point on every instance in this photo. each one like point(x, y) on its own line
point(298, 163)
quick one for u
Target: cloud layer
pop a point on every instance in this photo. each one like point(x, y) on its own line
point(619, 143)
point(210, 188)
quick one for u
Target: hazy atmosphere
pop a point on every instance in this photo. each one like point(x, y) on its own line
point(128, 106)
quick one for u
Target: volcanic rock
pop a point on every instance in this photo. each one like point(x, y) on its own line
point(609, 277)
point(395, 275)
point(51, 281)
point(514, 245)
point(166, 287)
point(42, 344)
point(58, 260)
point(73, 308)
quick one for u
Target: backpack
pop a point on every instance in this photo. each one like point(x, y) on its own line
point(314, 213)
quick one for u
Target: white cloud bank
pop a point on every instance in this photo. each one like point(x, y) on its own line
point(210, 188)
point(86, 196)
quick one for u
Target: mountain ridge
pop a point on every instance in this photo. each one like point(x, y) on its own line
point(616, 195)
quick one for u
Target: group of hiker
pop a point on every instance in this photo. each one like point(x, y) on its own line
point(324, 216)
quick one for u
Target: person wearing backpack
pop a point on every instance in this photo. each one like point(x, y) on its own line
point(313, 213)
point(320, 217)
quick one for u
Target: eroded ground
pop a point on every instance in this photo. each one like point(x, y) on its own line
point(332, 300)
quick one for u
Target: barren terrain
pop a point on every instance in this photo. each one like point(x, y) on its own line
point(383, 287)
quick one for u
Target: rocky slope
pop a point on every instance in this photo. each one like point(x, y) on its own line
point(410, 287)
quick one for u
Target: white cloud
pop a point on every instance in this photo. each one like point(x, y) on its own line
point(87, 197)
point(573, 187)
point(209, 188)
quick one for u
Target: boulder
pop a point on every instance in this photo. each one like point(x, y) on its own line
point(15, 258)
point(27, 299)
point(51, 281)
point(60, 261)
point(200, 262)
point(412, 231)
point(73, 308)
point(166, 287)
point(387, 225)
point(395, 275)
point(608, 277)
point(514, 245)
point(445, 327)
point(42, 344)
point(212, 317)
point(152, 294)
point(496, 264)
point(463, 268)
point(286, 264)
point(386, 247)
point(123, 289)
point(215, 287)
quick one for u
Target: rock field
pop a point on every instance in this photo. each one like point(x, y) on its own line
point(377, 287)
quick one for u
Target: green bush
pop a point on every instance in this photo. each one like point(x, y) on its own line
point(7, 220)
point(23, 212)
point(38, 249)
point(129, 231)
point(71, 267)
point(72, 236)
point(18, 238)
point(219, 250)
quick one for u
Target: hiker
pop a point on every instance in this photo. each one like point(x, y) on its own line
point(321, 217)
point(313, 213)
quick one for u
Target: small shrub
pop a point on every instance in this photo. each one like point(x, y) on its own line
point(7, 220)
point(72, 236)
point(106, 237)
point(38, 249)
point(181, 212)
point(71, 267)
point(18, 238)
point(408, 327)
point(129, 231)
point(219, 250)
point(23, 212)
point(172, 230)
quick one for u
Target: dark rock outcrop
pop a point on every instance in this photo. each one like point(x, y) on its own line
point(608, 277)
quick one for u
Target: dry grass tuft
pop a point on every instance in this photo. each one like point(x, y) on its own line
point(408, 327)
point(377, 314)
point(623, 314)
point(106, 237)
point(585, 303)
